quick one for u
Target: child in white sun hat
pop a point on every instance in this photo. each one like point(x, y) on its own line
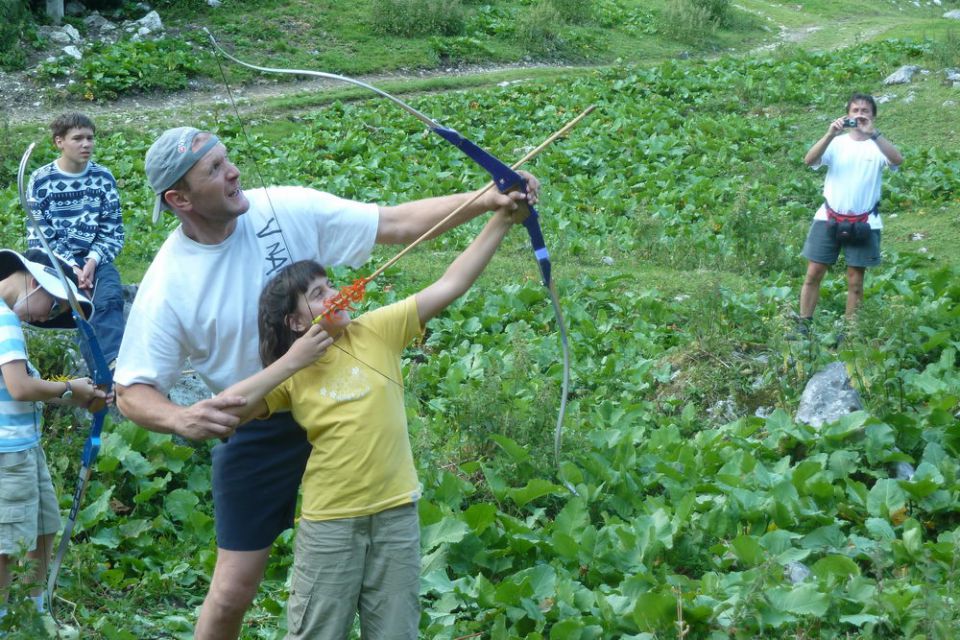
point(30, 291)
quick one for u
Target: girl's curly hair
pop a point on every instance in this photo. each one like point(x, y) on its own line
point(277, 301)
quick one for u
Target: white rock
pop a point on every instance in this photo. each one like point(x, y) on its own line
point(73, 52)
point(952, 15)
point(949, 103)
point(902, 75)
point(607, 260)
point(213, 3)
point(151, 21)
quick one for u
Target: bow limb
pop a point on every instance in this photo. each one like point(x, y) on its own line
point(99, 372)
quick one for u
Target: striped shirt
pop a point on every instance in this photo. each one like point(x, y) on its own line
point(19, 420)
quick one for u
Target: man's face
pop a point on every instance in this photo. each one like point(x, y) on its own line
point(214, 184)
point(860, 109)
point(76, 146)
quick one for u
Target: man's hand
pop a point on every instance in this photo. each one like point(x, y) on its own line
point(865, 125)
point(513, 200)
point(207, 419)
point(836, 127)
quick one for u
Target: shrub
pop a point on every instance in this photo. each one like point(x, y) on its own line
point(408, 18)
point(460, 49)
point(690, 21)
point(575, 11)
point(13, 22)
point(110, 70)
point(718, 10)
point(539, 29)
point(103, 5)
point(946, 51)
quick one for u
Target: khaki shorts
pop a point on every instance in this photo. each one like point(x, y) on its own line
point(28, 505)
point(369, 564)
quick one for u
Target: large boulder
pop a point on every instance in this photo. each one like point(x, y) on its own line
point(828, 396)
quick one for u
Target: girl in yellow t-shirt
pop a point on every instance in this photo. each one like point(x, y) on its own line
point(357, 546)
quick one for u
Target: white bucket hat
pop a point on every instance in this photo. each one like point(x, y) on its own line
point(39, 266)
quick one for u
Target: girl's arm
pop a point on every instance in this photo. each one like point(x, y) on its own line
point(25, 388)
point(465, 270)
point(305, 350)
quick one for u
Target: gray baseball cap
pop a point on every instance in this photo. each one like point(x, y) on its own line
point(170, 157)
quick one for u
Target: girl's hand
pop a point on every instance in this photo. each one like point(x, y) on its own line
point(309, 347)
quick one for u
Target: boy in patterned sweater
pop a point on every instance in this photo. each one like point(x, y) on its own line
point(79, 209)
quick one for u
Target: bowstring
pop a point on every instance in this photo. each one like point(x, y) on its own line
point(266, 191)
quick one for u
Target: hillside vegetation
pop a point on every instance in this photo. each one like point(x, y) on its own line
point(675, 215)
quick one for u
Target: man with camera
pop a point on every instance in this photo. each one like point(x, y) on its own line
point(849, 217)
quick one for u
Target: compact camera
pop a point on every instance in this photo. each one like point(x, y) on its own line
point(849, 123)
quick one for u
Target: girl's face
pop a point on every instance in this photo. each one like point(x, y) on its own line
point(312, 303)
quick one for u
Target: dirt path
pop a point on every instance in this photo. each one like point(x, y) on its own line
point(22, 105)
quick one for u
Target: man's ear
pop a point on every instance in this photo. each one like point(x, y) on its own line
point(176, 199)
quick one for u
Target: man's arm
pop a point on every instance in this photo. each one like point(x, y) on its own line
point(886, 148)
point(404, 223)
point(203, 420)
point(820, 146)
point(464, 271)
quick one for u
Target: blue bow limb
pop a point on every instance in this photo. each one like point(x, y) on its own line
point(99, 372)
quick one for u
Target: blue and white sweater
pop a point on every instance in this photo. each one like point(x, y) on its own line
point(80, 213)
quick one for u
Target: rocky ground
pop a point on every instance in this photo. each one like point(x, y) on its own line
point(26, 99)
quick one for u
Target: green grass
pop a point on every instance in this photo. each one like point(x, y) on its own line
point(689, 176)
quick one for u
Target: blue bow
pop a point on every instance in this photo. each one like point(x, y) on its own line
point(504, 178)
point(99, 372)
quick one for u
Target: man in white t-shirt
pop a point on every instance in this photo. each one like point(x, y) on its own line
point(198, 300)
point(849, 218)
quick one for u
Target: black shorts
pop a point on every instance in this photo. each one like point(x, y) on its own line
point(256, 479)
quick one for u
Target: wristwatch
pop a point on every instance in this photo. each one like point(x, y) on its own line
point(875, 135)
point(67, 394)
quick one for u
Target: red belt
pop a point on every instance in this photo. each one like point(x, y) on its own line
point(847, 217)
